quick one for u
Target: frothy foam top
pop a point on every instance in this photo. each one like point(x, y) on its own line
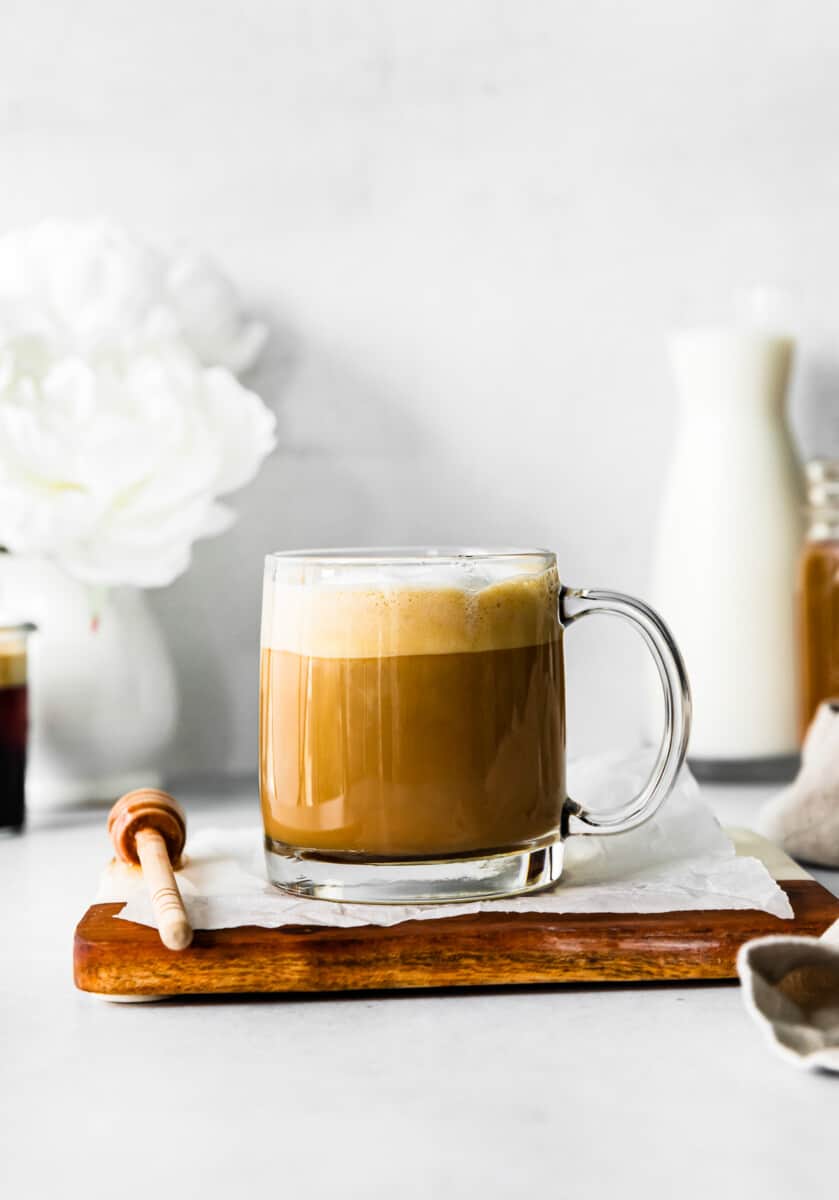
point(340, 620)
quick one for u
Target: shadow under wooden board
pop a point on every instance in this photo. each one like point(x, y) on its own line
point(121, 960)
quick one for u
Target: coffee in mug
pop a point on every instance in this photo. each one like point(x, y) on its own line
point(412, 722)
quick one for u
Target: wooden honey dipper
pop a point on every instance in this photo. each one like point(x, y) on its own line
point(148, 828)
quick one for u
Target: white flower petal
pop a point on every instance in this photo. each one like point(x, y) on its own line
point(208, 311)
point(245, 427)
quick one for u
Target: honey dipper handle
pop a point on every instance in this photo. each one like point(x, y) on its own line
point(172, 921)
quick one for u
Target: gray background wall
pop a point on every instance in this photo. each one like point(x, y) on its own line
point(471, 225)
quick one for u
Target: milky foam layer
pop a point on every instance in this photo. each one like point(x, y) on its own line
point(337, 620)
point(466, 571)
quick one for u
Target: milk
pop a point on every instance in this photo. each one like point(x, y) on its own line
point(728, 539)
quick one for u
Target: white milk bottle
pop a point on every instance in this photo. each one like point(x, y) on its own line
point(728, 539)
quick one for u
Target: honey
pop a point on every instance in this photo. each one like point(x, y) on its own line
point(818, 595)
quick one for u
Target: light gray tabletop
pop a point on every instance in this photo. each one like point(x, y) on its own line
point(558, 1092)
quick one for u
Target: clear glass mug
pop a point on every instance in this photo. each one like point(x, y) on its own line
point(412, 722)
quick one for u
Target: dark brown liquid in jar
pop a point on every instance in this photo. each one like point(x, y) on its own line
point(818, 628)
point(13, 729)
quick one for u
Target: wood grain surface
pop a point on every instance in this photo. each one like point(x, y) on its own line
point(121, 959)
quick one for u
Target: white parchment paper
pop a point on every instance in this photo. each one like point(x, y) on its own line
point(681, 859)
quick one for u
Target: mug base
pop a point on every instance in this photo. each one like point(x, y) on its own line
point(413, 881)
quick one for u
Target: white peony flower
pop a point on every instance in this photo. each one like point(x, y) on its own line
point(121, 421)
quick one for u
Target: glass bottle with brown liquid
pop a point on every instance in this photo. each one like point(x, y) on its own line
point(818, 594)
point(13, 724)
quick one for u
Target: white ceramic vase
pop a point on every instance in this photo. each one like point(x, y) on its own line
point(102, 689)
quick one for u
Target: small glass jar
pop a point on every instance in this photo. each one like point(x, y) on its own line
point(818, 593)
point(13, 724)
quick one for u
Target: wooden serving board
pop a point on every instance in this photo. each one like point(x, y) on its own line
point(121, 960)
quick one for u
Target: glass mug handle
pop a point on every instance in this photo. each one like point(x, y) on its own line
point(576, 603)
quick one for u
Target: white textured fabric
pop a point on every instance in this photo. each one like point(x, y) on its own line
point(679, 860)
point(804, 818)
point(791, 989)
